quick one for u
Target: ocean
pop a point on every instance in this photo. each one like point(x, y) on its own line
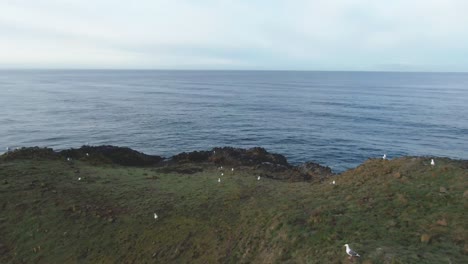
point(338, 119)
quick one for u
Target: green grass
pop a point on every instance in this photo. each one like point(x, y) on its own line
point(382, 209)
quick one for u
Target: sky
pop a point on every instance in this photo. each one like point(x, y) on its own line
point(355, 35)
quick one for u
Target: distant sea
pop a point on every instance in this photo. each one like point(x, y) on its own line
point(338, 119)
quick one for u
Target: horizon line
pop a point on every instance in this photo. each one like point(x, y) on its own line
point(220, 70)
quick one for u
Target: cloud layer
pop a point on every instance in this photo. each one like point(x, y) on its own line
point(228, 34)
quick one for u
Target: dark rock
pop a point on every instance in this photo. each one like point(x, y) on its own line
point(195, 156)
point(247, 157)
point(30, 153)
point(118, 155)
point(314, 170)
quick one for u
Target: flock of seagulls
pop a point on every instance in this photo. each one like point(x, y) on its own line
point(349, 250)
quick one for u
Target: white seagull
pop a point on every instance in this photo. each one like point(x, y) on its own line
point(79, 178)
point(222, 174)
point(333, 182)
point(258, 178)
point(155, 216)
point(432, 162)
point(219, 179)
point(351, 252)
point(384, 156)
point(68, 159)
point(232, 169)
point(87, 154)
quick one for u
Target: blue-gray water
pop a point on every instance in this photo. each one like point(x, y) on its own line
point(338, 119)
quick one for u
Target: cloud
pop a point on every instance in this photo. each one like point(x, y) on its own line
point(228, 34)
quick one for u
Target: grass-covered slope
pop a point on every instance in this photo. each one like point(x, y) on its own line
point(398, 211)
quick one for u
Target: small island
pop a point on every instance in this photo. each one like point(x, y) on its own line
point(107, 204)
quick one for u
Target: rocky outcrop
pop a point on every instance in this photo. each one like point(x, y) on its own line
point(232, 157)
point(264, 163)
point(118, 155)
point(314, 170)
point(30, 153)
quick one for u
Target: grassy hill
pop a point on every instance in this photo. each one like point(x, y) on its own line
point(390, 211)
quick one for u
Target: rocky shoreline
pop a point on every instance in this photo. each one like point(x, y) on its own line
point(270, 165)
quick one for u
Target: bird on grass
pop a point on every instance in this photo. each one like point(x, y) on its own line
point(333, 182)
point(351, 252)
point(432, 162)
point(87, 154)
point(68, 159)
point(384, 156)
point(79, 178)
point(222, 174)
point(219, 179)
point(232, 169)
point(258, 178)
point(155, 216)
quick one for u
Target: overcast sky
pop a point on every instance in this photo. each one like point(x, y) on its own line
point(406, 35)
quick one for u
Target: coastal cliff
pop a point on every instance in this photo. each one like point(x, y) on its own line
point(227, 205)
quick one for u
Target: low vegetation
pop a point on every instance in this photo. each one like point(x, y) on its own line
point(97, 209)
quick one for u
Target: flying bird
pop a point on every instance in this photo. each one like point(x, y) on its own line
point(351, 252)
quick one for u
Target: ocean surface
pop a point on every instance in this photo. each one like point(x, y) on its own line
point(338, 119)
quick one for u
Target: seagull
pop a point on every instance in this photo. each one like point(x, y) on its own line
point(7, 149)
point(87, 154)
point(333, 182)
point(155, 216)
point(219, 179)
point(384, 156)
point(214, 152)
point(432, 162)
point(351, 252)
point(232, 169)
point(222, 174)
point(79, 178)
point(258, 178)
point(68, 159)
